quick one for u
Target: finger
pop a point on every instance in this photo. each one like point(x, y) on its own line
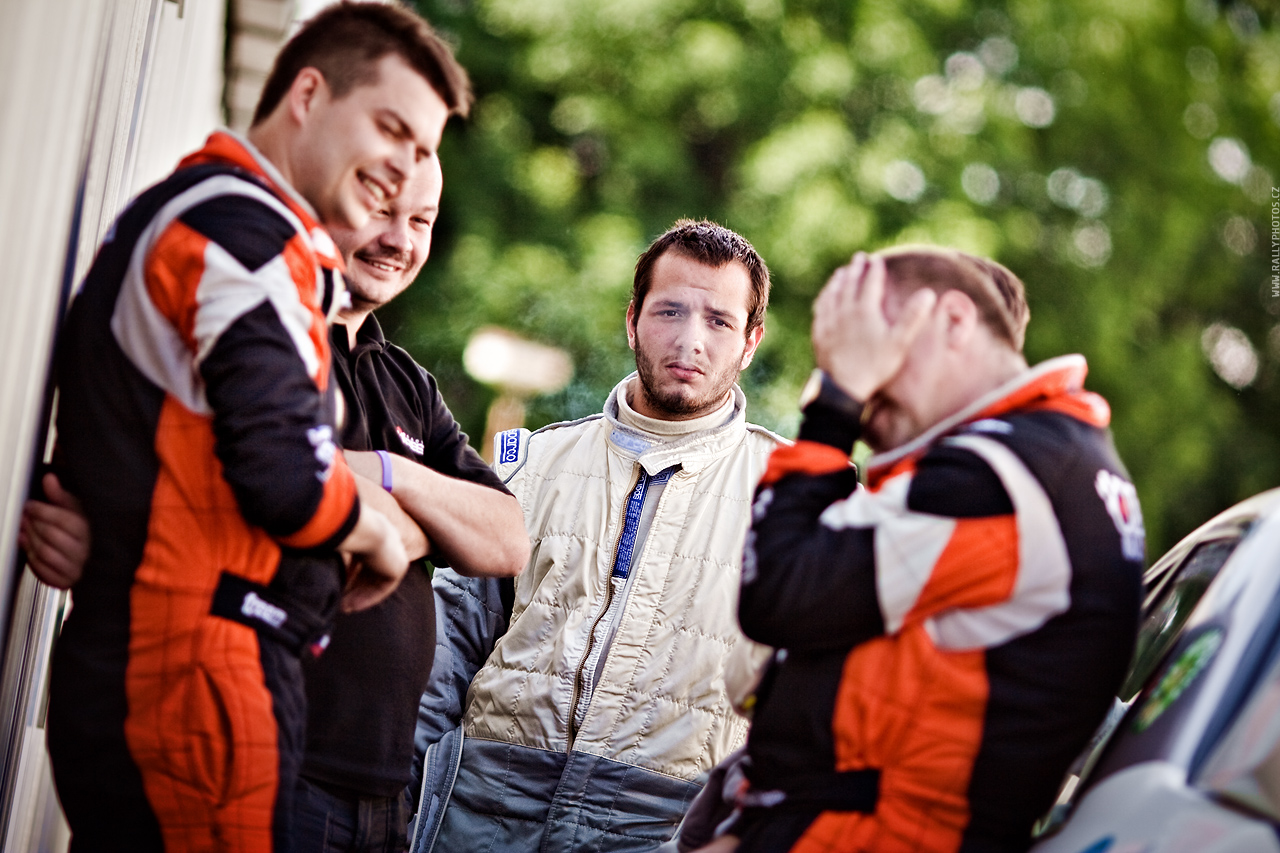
point(54, 574)
point(843, 280)
point(366, 594)
point(32, 534)
point(46, 513)
point(68, 546)
point(46, 563)
point(857, 271)
point(871, 288)
point(845, 289)
point(54, 517)
point(826, 298)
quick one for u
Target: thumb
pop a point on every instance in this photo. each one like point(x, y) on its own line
point(57, 495)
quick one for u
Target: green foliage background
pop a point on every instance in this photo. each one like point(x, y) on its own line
point(1073, 140)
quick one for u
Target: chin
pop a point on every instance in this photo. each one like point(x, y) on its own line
point(349, 214)
point(879, 438)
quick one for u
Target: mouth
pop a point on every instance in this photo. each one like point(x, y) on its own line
point(386, 265)
point(375, 189)
point(684, 372)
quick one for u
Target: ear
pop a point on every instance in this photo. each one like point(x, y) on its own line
point(303, 93)
point(753, 340)
point(631, 325)
point(960, 315)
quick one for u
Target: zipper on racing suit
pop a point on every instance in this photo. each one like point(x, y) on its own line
point(623, 553)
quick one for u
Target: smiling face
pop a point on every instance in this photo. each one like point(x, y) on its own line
point(385, 256)
point(354, 153)
point(690, 337)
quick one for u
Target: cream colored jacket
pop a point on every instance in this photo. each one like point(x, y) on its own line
point(678, 662)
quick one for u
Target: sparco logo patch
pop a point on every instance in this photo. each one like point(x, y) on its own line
point(410, 442)
point(321, 438)
point(510, 450)
point(255, 608)
point(1121, 500)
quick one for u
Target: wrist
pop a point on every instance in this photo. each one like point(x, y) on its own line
point(385, 459)
point(831, 415)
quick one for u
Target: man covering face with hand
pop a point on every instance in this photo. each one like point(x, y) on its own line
point(951, 635)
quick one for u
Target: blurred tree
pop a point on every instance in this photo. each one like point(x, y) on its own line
point(1119, 155)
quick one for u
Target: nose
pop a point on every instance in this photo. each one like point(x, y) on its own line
point(691, 336)
point(396, 234)
point(400, 164)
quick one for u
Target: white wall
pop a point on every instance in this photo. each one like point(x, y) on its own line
point(101, 98)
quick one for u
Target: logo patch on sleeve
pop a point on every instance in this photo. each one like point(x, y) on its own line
point(1121, 501)
point(255, 608)
point(321, 438)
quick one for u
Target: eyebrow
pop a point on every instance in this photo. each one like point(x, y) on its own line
point(715, 312)
point(402, 130)
point(393, 116)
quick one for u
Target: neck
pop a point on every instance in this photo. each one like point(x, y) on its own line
point(267, 137)
point(977, 375)
point(353, 319)
point(664, 425)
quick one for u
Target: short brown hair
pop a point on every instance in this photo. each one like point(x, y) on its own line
point(711, 244)
point(345, 42)
point(999, 295)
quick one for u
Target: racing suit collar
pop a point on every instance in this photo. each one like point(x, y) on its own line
point(229, 147)
point(1056, 384)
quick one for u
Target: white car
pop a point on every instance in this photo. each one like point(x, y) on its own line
point(1189, 759)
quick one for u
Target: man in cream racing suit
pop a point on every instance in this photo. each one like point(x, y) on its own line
point(612, 690)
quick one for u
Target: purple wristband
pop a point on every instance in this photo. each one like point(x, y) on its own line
point(386, 468)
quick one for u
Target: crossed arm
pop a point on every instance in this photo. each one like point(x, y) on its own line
point(55, 534)
point(478, 530)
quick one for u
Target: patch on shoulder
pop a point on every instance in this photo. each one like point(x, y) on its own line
point(507, 445)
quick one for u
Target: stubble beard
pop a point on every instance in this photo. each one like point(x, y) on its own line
point(673, 405)
point(370, 297)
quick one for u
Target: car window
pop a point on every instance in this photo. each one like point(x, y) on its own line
point(1165, 618)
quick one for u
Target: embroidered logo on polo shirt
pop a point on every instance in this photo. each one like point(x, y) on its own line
point(318, 647)
point(410, 442)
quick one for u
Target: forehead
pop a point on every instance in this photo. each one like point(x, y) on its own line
point(421, 193)
point(678, 277)
point(398, 88)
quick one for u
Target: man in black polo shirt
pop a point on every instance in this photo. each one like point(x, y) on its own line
point(362, 692)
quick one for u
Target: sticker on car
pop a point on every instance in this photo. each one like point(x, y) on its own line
point(1177, 677)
